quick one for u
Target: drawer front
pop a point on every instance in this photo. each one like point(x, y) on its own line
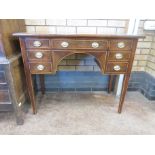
point(40, 68)
point(120, 44)
point(4, 96)
point(39, 55)
point(116, 67)
point(37, 43)
point(119, 56)
point(2, 77)
point(79, 44)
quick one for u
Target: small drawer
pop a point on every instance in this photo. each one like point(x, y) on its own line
point(39, 55)
point(40, 68)
point(37, 43)
point(116, 67)
point(79, 44)
point(2, 77)
point(121, 44)
point(119, 56)
point(4, 96)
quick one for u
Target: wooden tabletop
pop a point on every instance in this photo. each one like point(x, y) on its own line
point(24, 34)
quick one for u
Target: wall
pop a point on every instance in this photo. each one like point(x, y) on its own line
point(145, 53)
point(150, 66)
point(143, 75)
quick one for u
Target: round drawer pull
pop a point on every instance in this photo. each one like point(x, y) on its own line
point(117, 68)
point(64, 44)
point(40, 67)
point(95, 45)
point(36, 43)
point(39, 55)
point(118, 55)
point(121, 45)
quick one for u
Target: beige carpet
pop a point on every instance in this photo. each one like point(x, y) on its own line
point(85, 113)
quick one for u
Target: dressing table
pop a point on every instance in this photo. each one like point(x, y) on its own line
point(42, 53)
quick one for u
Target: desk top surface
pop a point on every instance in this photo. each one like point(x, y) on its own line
point(24, 34)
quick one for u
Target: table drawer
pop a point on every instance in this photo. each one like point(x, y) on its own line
point(37, 43)
point(79, 44)
point(39, 55)
point(119, 56)
point(40, 68)
point(116, 67)
point(121, 44)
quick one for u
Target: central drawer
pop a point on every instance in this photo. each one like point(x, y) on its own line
point(79, 44)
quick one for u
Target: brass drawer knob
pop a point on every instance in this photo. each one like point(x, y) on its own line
point(36, 43)
point(117, 67)
point(39, 55)
point(64, 44)
point(95, 45)
point(40, 67)
point(121, 45)
point(118, 55)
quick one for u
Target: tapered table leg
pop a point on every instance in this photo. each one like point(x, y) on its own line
point(30, 88)
point(111, 77)
point(42, 83)
point(123, 93)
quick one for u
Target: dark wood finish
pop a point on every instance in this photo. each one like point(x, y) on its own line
point(45, 58)
point(127, 76)
point(42, 83)
point(12, 85)
point(125, 55)
point(111, 78)
point(110, 67)
point(45, 43)
point(92, 36)
point(4, 96)
point(114, 43)
point(34, 70)
point(29, 79)
point(104, 54)
point(79, 44)
point(31, 91)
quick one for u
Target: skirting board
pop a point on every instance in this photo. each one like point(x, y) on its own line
point(95, 81)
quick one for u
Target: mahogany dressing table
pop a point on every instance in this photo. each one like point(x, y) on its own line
point(42, 53)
